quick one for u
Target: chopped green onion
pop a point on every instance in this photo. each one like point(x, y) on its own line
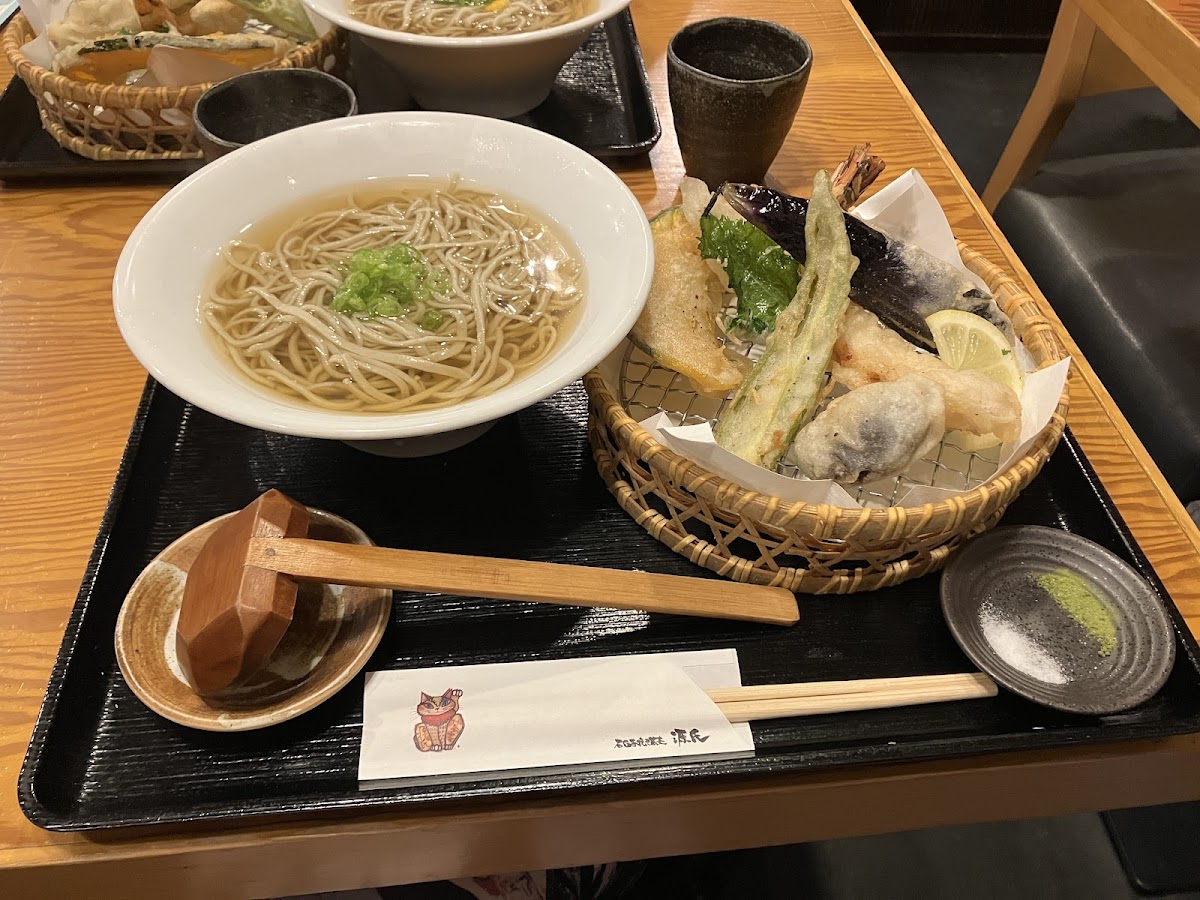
point(432, 320)
point(386, 282)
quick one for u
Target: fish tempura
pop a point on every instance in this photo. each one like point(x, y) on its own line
point(873, 432)
point(867, 351)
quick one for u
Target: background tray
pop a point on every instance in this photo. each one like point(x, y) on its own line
point(526, 489)
point(601, 102)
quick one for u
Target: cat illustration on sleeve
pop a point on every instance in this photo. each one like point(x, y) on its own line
point(441, 723)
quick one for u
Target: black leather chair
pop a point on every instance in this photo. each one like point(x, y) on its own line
point(1114, 243)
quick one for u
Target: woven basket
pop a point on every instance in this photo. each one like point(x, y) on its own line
point(810, 548)
point(110, 122)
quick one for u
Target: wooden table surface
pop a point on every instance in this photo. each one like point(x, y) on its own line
point(68, 388)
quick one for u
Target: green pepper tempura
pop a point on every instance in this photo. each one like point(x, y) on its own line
point(389, 282)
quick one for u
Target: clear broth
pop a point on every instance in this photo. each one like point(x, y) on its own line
point(266, 233)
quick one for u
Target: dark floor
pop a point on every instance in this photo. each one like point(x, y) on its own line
point(1049, 859)
point(1067, 858)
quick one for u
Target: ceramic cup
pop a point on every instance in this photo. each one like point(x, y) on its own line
point(735, 86)
point(249, 107)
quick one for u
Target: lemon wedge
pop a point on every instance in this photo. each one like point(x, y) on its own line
point(967, 341)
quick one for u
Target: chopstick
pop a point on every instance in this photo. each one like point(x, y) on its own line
point(778, 701)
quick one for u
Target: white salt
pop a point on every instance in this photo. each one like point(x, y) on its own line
point(1017, 649)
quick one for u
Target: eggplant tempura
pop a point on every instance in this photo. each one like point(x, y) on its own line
point(899, 282)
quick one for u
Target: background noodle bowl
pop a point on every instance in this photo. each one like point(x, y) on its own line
point(499, 293)
point(441, 19)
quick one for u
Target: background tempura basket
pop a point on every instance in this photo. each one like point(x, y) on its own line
point(111, 122)
point(810, 548)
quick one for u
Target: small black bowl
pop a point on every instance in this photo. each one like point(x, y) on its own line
point(249, 107)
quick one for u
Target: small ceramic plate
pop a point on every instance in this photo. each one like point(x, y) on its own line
point(1094, 656)
point(333, 633)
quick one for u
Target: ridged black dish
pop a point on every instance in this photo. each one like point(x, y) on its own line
point(526, 489)
point(601, 102)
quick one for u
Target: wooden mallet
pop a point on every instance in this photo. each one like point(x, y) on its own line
point(241, 590)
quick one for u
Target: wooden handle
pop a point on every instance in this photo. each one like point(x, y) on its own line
point(508, 579)
point(781, 701)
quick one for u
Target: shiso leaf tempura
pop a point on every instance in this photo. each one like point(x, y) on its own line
point(780, 394)
point(762, 274)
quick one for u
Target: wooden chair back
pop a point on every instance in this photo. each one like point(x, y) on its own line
point(1080, 61)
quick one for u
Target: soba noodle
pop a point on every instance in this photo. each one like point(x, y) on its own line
point(468, 19)
point(504, 285)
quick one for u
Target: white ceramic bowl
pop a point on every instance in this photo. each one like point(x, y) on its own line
point(503, 75)
point(170, 256)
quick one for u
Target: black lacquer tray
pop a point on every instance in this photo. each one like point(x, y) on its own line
point(526, 489)
point(601, 102)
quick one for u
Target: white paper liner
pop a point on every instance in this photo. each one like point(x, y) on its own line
point(908, 210)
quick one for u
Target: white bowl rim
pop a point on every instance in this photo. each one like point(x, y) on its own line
point(318, 423)
point(605, 9)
